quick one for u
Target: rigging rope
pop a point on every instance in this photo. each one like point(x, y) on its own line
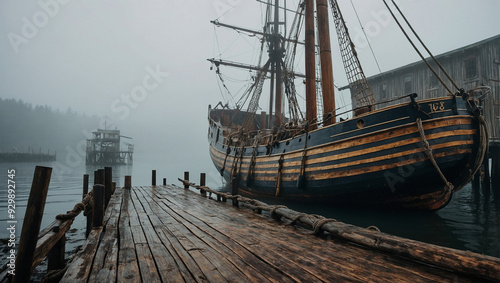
point(360, 88)
point(254, 102)
point(367, 40)
point(428, 51)
point(288, 65)
point(416, 49)
point(430, 156)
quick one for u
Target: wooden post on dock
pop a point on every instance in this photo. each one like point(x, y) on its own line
point(153, 178)
point(85, 192)
point(99, 177)
point(486, 167)
point(55, 256)
point(495, 168)
point(31, 223)
point(234, 189)
point(128, 182)
point(108, 180)
point(98, 207)
point(186, 177)
point(164, 181)
point(85, 185)
point(234, 185)
point(203, 178)
point(102, 175)
point(113, 187)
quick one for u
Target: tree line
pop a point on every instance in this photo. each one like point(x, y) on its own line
point(24, 127)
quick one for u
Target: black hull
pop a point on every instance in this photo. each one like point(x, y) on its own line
point(377, 159)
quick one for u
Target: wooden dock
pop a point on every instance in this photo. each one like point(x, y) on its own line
point(171, 234)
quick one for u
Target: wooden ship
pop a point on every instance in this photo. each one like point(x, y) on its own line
point(411, 155)
point(105, 148)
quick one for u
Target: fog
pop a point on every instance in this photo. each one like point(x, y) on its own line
point(142, 64)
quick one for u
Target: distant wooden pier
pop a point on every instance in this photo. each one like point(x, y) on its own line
point(27, 157)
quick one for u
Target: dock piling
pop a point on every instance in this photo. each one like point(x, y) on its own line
point(164, 181)
point(203, 178)
point(128, 182)
point(495, 166)
point(186, 177)
point(108, 180)
point(55, 256)
point(85, 192)
point(85, 185)
point(486, 171)
point(98, 207)
point(99, 176)
point(153, 178)
point(31, 223)
point(234, 190)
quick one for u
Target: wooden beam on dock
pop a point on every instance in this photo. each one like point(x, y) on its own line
point(171, 234)
point(31, 224)
point(108, 180)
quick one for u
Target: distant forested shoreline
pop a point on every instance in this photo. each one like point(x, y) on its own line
point(34, 128)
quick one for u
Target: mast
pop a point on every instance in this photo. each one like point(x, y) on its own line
point(277, 55)
point(326, 62)
point(310, 64)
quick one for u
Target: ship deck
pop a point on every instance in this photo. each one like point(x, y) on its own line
point(167, 233)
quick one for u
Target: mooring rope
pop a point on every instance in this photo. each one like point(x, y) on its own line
point(430, 156)
point(296, 218)
point(374, 228)
point(272, 212)
point(85, 205)
point(256, 205)
point(318, 224)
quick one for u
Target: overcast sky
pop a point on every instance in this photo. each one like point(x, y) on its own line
point(143, 63)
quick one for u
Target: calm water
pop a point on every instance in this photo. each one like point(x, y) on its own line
point(470, 222)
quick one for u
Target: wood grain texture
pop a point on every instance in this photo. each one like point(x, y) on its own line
point(169, 234)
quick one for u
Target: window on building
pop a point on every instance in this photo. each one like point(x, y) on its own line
point(433, 81)
point(407, 84)
point(433, 93)
point(470, 68)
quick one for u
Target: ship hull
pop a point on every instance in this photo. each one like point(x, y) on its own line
point(377, 159)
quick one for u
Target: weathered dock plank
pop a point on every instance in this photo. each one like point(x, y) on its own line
point(105, 260)
point(170, 234)
point(282, 254)
point(128, 269)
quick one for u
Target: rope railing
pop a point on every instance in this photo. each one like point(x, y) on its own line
point(85, 205)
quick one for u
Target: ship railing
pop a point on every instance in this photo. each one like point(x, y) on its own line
point(292, 130)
